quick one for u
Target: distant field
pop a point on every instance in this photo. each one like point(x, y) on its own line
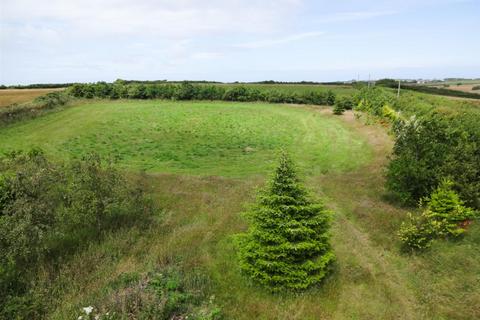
point(9, 96)
point(230, 139)
point(338, 89)
point(462, 87)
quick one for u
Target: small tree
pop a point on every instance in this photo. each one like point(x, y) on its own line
point(338, 108)
point(442, 216)
point(287, 244)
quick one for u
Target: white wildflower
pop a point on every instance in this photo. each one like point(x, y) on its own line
point(88, 310)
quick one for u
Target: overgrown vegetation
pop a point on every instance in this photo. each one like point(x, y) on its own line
point(430, 144)
point(39, 106)
point(287, 244)
point(50, 210)
point(161, 295)
point(444, 215)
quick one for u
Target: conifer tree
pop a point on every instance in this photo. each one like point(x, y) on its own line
point(287, 245)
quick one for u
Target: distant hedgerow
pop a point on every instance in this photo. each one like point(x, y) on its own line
point(287, 245)
point(190, 91)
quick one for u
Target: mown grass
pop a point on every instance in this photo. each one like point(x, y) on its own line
point(228, 139)
point(372, 278)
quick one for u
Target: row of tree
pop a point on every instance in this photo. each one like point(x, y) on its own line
point(435, 163)
point(189, 91)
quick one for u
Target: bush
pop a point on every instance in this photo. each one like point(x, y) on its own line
point(49, 210)
point(476, 88)
point(372, 100)
point(442, 217)
point(287, 244)
point(338, 109)
point(432, 147)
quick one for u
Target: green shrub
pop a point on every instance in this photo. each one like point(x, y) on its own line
point(432, 147)
point(372, 100)
point(418, 232)
point(287, 244)
point(338, 109)
point(49, 210)
point(476, 88)
point(442, 216)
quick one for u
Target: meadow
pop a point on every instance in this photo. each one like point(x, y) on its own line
point(192, 138)
point(202, 162)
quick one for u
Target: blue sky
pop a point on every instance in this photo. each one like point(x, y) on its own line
point(228, 40)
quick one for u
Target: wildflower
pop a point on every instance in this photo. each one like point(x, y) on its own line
point(88, 310)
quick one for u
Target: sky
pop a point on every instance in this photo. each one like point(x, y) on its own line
point(59, 41)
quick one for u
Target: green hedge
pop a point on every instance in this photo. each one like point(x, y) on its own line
point(430, 144)
point(189, 91)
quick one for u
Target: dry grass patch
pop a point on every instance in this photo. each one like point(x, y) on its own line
point(11, 96)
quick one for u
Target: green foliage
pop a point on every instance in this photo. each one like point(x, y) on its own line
point(338, 109)
point(418, 232)
point(442, 217)
point(49, 210)
point(190, 91)
point(287, 244)
point(162, 295)
point(432, 147)
point(372, 100)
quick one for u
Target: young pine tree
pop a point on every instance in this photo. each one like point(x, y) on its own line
point(287, 244)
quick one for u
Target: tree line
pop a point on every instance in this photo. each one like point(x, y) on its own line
point(189, 91)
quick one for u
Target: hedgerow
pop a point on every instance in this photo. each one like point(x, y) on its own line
point(431, 144)
point(432, 147)
point(189, 91)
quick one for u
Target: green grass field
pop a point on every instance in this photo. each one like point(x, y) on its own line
point(193, 138)
point(204, 161)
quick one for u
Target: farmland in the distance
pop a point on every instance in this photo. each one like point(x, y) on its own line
point(10, 96)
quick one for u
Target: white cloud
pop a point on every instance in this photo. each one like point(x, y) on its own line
point(355, 15)
point(166, 18)
point(278, 41)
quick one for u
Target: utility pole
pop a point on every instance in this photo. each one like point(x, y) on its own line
point(369, 80)
point(398, 92)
